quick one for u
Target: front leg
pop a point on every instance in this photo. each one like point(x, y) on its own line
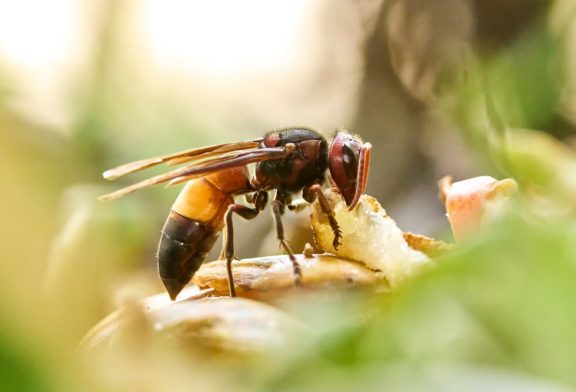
point(310, 194)
point(278, 206)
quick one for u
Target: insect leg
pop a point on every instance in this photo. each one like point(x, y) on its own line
point(315, 191)
point(246, 213)
point(277, 208)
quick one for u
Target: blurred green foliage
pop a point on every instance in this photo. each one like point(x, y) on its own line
point(502, 301)
point(20, 369)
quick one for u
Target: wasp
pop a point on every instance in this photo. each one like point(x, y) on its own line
point(290, 161)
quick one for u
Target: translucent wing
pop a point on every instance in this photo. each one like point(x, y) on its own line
point(180, 157)
point(218, 162)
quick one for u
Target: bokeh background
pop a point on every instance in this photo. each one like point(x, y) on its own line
point(459, 87)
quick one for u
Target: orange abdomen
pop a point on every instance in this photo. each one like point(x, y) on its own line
point(193, 226)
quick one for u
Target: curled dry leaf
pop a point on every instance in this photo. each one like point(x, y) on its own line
point(469, 203)
point(373, 252)
point(262, 276)
point(370, 237)
point(221, 323)
point(429, 246)
point(106, 330)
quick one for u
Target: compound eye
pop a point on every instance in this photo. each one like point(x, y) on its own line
point(348, 161)
point(350, 156)
point(344, 156)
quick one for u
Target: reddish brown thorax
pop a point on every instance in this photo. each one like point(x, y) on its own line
point(305, 164)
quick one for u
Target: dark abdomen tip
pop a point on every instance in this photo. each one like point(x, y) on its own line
point(182, 249)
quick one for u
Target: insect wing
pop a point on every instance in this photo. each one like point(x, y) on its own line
point(200, 169)
point(179, 157)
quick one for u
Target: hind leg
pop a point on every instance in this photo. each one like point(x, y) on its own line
point(228, 245)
